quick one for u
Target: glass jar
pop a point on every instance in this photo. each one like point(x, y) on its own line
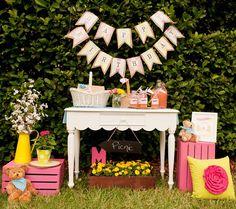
point(116, 100)
point(161, 92)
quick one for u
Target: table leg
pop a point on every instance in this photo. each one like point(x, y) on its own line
point(171, 156)
point(77, 152)
point(71, 156)
point(162, 152)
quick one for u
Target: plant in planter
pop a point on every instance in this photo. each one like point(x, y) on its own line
point(134, 174)
point(44, 145)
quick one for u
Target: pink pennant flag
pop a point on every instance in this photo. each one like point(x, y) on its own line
point(103, 60)
point(78, 35)
point(118, 65)
point(172, 33)
point(160, 18)
point(104, 31)
point(135, 65)
point(163, 46)
point(88, 19)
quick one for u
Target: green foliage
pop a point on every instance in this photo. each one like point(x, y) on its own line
point(200, 73)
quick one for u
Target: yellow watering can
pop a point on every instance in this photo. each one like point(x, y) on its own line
point(23, 150)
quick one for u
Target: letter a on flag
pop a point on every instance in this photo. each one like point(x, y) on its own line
point(163, 46)
point(104, 31)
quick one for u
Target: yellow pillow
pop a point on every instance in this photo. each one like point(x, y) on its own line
point(211, 179)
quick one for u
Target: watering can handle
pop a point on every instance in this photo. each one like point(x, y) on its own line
point(35, 139)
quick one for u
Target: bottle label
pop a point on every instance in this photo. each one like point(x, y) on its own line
point(133, 101)
point(155, 101)
point(142, 101)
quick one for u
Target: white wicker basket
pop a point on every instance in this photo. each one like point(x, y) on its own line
point(82, 98)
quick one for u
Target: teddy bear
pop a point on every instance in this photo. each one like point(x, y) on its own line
point(19, 188)
point(186, 133)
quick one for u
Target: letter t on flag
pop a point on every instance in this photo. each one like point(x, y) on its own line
point(118, 65)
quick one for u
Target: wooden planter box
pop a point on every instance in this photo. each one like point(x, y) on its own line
point(134, 182)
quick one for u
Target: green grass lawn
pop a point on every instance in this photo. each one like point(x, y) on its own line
point(82, 197)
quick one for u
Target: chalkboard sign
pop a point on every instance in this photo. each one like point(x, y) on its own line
point(121, 146)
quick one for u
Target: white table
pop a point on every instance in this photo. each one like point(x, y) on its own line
point(78, 119)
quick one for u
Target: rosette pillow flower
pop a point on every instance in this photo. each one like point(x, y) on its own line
point(211, 178)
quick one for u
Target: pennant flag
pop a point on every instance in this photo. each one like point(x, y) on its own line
point(104, 31)
point(88, 19)
point(172, 33)
point(78, 35)
point(90, 50)
point(118, 65)
point(144, 30)
point(163, 46)
point(103, 60)
point(135, 65)
point(150, 57)
point(124, 35)
point(159, 18)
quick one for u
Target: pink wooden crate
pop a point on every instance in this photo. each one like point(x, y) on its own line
point(199, 150)
point(47, 181)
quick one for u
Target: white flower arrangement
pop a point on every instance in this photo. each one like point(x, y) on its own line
point(27, 110)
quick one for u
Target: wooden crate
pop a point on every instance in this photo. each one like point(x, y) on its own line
point(47, 181)
point(199, 150)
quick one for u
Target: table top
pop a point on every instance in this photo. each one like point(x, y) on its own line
point(109, 118)
point(112, 109)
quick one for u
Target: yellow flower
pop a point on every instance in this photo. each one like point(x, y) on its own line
point(116, 169)
point(148, 171)
point(120, 91)
point(99, 169)
point(116, 174)
point(126, 172)
point(136, 172)
point(94, 171)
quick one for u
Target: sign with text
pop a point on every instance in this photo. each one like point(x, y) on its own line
point(121, 146)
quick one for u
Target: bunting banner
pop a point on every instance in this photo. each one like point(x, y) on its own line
point(163, 46)
point(124, 35)
point(172, 33)
point(78, 35)
point(160, 18)
point(150, 57)
point(144, 30)
point(135, 65)
point(88, 19)
point(118, 65)
point(103, 60)
point(104, 31)
point(90, 50)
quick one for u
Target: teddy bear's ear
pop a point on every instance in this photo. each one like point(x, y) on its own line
point(24, 167)
point(6, 171)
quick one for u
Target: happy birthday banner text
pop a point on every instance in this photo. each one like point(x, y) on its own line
point(124, 36)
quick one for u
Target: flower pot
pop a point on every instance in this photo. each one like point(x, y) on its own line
point(23, 150)
point(43, 156)
point(134, 182)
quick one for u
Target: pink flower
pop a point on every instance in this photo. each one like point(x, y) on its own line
point(216, 179)
point(44, 133)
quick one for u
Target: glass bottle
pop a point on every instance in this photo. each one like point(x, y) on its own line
point(161, 92)
point(133, 102)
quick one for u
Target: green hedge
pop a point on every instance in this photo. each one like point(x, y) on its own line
point(200, 73)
